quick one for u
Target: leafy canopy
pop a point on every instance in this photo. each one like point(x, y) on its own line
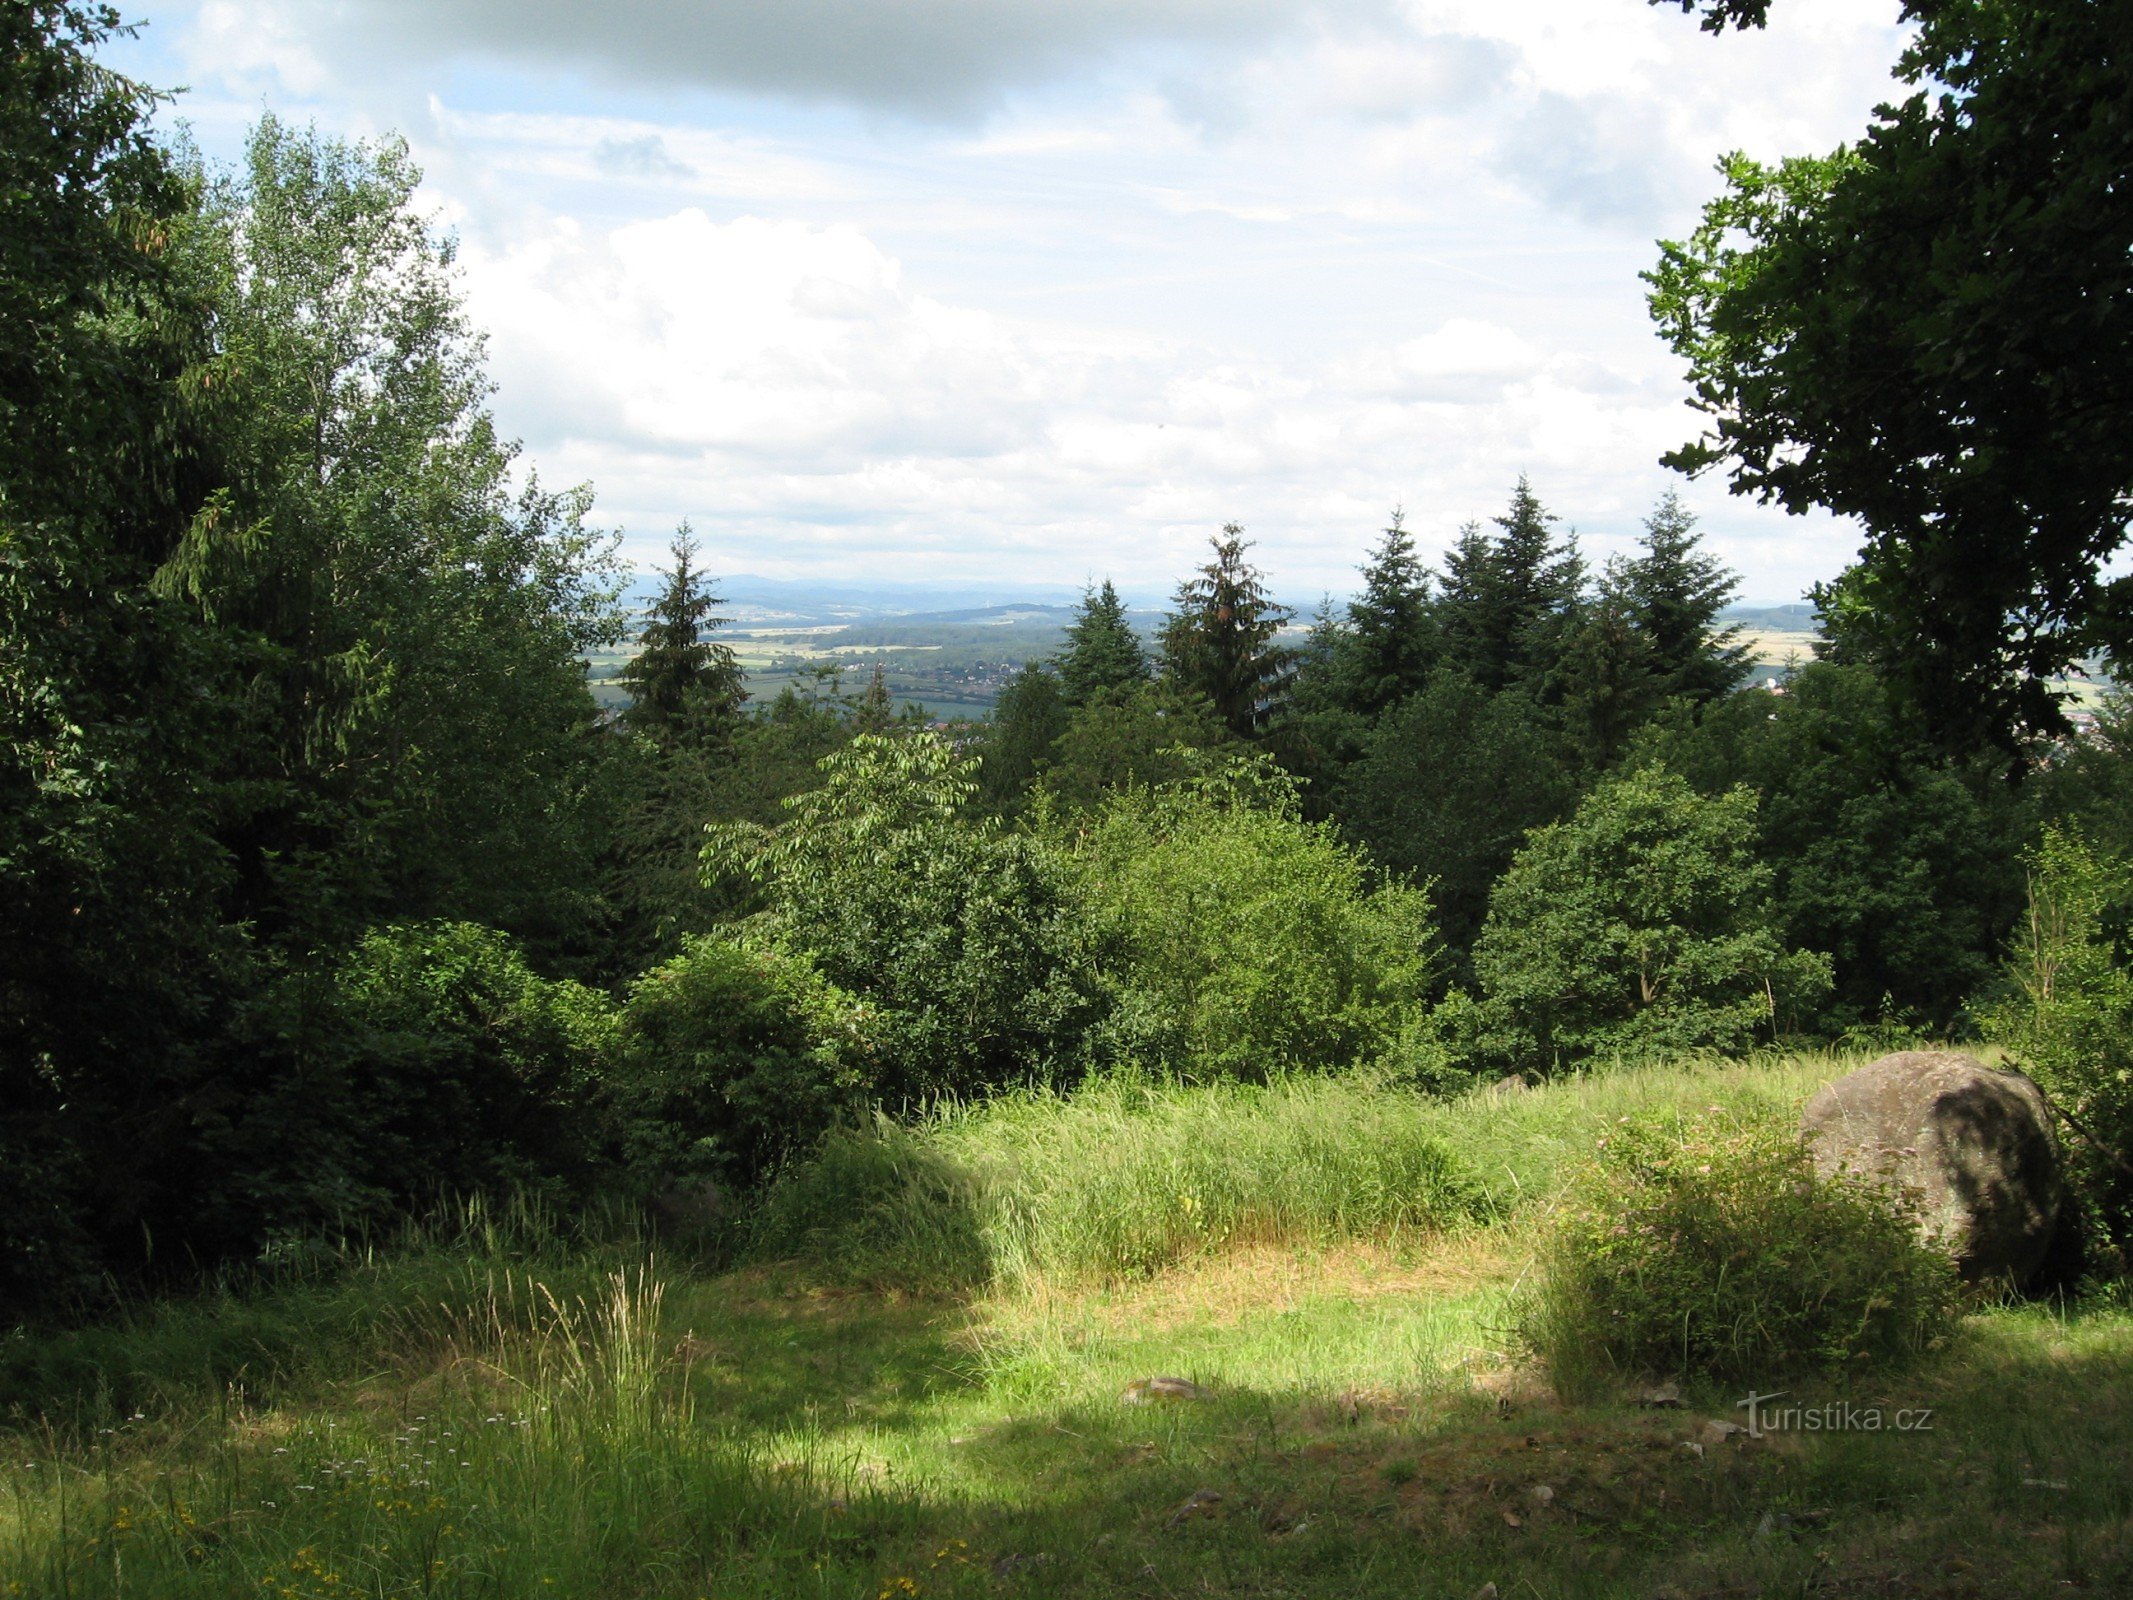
point(1929, 331)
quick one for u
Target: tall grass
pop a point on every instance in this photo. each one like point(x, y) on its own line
point(1118, 1178)
point(1122, 1177)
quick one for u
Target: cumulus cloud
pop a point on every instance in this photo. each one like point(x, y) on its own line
point(792, 390)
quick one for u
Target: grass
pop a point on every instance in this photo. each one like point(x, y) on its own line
point(489, 1418)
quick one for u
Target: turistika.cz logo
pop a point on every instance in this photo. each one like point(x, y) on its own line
point(1831, 1416)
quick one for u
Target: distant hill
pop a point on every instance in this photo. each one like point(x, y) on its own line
point(1798, 617)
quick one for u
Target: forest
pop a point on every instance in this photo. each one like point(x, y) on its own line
point(343, 931)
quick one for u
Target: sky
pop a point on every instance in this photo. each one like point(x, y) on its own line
point(1048, 291)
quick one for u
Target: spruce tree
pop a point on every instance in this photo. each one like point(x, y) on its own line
point(685, 688)
point(1102, 652)
point(1219, 640)
point(1675, 591)
point(875, 713)
point(1386, 650)
point(1511, 604)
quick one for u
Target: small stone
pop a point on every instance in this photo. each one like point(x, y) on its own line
point(1512, 1519)
point(1689, 1447)
point(1486, 1592)
point(1718, 1432)
point(1661, 1397)
point(1541, 1495)
point(1148, 1391)
point(1200, 1503)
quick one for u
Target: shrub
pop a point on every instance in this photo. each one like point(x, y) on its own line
point(1639, 927)
point(1727, 1256)
point(2065, 1010)
point(965, 941)
point(1241, 940)
point(468, 1070)
point(729, 1057)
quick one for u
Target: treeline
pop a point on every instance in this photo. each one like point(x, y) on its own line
point(326, 890)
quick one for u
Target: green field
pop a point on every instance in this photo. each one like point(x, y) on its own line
point(488, 1412)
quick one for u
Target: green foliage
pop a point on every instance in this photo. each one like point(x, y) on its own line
point(1120, 739)
point(1674, 592)
point(1103, 655)
point(1027, 720)
point(416, 736)
point(965, 940)
point(2065, 1009)
point(116, 965)
point(1118, 1179)
point(2088, 782)
point(731, 1056)
point(1390, 642)
point(1724, 1255)
point(1924, 331)
point(469, 1071)
point(1219, 639)
point(1897, 867)
point(1638, 926)
point(1509, 605)
point(1448, 784)
point(685, 687)
point(1247, 941)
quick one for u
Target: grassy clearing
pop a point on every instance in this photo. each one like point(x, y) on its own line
point(1120, 1179)
point(585, 1424)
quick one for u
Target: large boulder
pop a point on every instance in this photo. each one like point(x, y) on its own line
point(1975, 1143)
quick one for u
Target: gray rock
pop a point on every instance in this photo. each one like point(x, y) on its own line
point(1975, 1143)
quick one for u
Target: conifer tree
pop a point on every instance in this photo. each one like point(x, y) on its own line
point(1219, 640)
point(1386, 650)
point(874, 713)
point(685, 688)
point(1674, 591)
point(1511, 603)
point(1103, 653)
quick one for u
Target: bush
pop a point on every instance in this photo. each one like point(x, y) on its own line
point(1639, 927)
point(729, 1057)
point(2065, 1011)
point(1242, 941)
point(965, 941)
point(466, 1070)
point(1727, 1256)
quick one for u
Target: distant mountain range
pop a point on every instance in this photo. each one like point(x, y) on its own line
point(812, 602)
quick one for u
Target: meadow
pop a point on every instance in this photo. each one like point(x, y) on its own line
point(906, 1376)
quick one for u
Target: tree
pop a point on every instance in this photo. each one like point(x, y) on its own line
point(685, 687)
point(1449, 782)
point(1613, 673)
point(1244, 940)
point(1123, 738)
point(1389, 644)
point(1674, 593)
point(1027, 719)
point(419, 726)
point(1509, 605)
point(1103, 653)
point(1930, 332)
point(874, 713)
point(1639, 925)
point(1881, 856)
point(1219, 640)
point(963, 939)
point(115, 962)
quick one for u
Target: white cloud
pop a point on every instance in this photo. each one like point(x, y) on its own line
point(1200, 259)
